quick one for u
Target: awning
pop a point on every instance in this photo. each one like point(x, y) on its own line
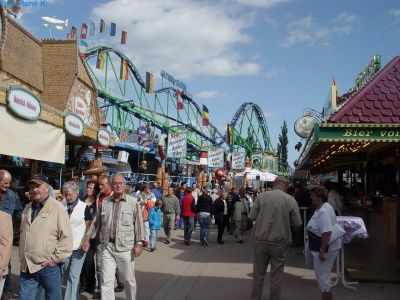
point(253, 174)
point(31, 139)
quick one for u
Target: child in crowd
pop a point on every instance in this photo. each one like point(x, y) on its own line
point(155, 223)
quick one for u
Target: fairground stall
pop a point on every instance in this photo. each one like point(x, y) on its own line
point(357, 140)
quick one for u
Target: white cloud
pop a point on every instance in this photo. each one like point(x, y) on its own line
point(262, 3)
point(268, 114)
point(306, 31)
point(275, 72)
point(207, 95)
point(184, 37)
point(395, 12)
point(346, 23)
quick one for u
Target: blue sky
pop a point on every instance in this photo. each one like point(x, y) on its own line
point(280, 54)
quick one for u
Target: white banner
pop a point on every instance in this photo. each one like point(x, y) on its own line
point(176, 145)
point(216, 158)
point(238, 160)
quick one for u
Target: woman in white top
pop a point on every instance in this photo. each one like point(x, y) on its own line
point(321, 225)
point(80, 217)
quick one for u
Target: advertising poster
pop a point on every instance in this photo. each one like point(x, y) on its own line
point(238, 160)
point(256, 161)
point(176, 145)
point(216, 158)
point(270, 163)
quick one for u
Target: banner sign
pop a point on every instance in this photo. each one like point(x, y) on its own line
point(73, 124)
point(216, 158)
point(256, 161)
point(270, 163)
point(357, 134)
point(238, 160)
point(103, 136)
point(172, 79)
point(23, 103)
point(177, 145)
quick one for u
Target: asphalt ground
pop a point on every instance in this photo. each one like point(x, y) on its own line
point(177, 272)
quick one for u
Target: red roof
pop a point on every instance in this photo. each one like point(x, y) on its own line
point(377, 102)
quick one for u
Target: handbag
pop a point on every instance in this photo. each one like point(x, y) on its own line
point(337, 233)
point(308, 257)
point(314, 242)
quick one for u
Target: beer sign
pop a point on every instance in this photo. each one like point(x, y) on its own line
point(23, 103)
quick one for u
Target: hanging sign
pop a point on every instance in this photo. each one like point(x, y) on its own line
point(103, 136)
point(238, 160)
point(270, 163)
point(80, 107)
point(216, 158)
point(256, 161)
point(172, 79)
point(177, 145)
point(73, 124)
point(23, 103)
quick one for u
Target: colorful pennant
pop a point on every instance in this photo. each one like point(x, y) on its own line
point(124, 71)
point(124, 37)
point(113, 29)
point(149, 83)
point(84, 30)
point(100, 60)
point(179, 100)
point(206, 120)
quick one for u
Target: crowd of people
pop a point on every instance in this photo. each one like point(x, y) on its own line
point(92, 242)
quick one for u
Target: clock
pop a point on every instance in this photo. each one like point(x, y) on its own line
point(304, 125)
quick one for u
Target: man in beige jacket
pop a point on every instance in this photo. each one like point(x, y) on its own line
point(276, 213)
point(45, 242)
point(6, 238)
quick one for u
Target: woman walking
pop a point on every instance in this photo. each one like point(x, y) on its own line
point(221, 215)
point(88, 274)
point(204, 210)
point(319, 229)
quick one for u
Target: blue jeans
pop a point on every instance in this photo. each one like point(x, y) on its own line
point(153, 238)
point(188, 225)
point(204, 220)
point(48, 277)
point(72, 270)
point(146, 230)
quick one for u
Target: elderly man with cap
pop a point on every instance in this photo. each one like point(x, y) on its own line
point(45, 242)
point(275, 213)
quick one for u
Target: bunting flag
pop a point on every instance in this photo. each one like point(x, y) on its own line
point(179, 100)
point(100, 60)
point(149, 83)
point(124, 37)
point(113, 29)
point(84, 44)
point(84, 30)
point(206, 120)
point(230, 134)
point(92, 28)
point(72, 33)
point(102, 25)
point(124, 71)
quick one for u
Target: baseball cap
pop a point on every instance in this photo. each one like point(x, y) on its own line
point(39, 179)
point(282, 179)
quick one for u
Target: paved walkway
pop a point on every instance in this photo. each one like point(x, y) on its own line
point(219, 272)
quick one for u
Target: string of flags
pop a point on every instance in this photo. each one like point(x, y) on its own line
point(90, 30)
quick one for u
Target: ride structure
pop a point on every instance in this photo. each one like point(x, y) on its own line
point(125, 106)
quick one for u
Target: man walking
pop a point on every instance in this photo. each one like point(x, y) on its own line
point(275, 213)
point(171, 211)
point(11, 205)
point(105, 191)
point(241, 212)
point(45, 242)
point(120, 223)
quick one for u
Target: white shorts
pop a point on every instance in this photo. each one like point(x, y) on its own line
point(323, 269)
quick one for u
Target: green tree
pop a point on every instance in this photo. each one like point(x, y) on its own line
point(283, 148)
